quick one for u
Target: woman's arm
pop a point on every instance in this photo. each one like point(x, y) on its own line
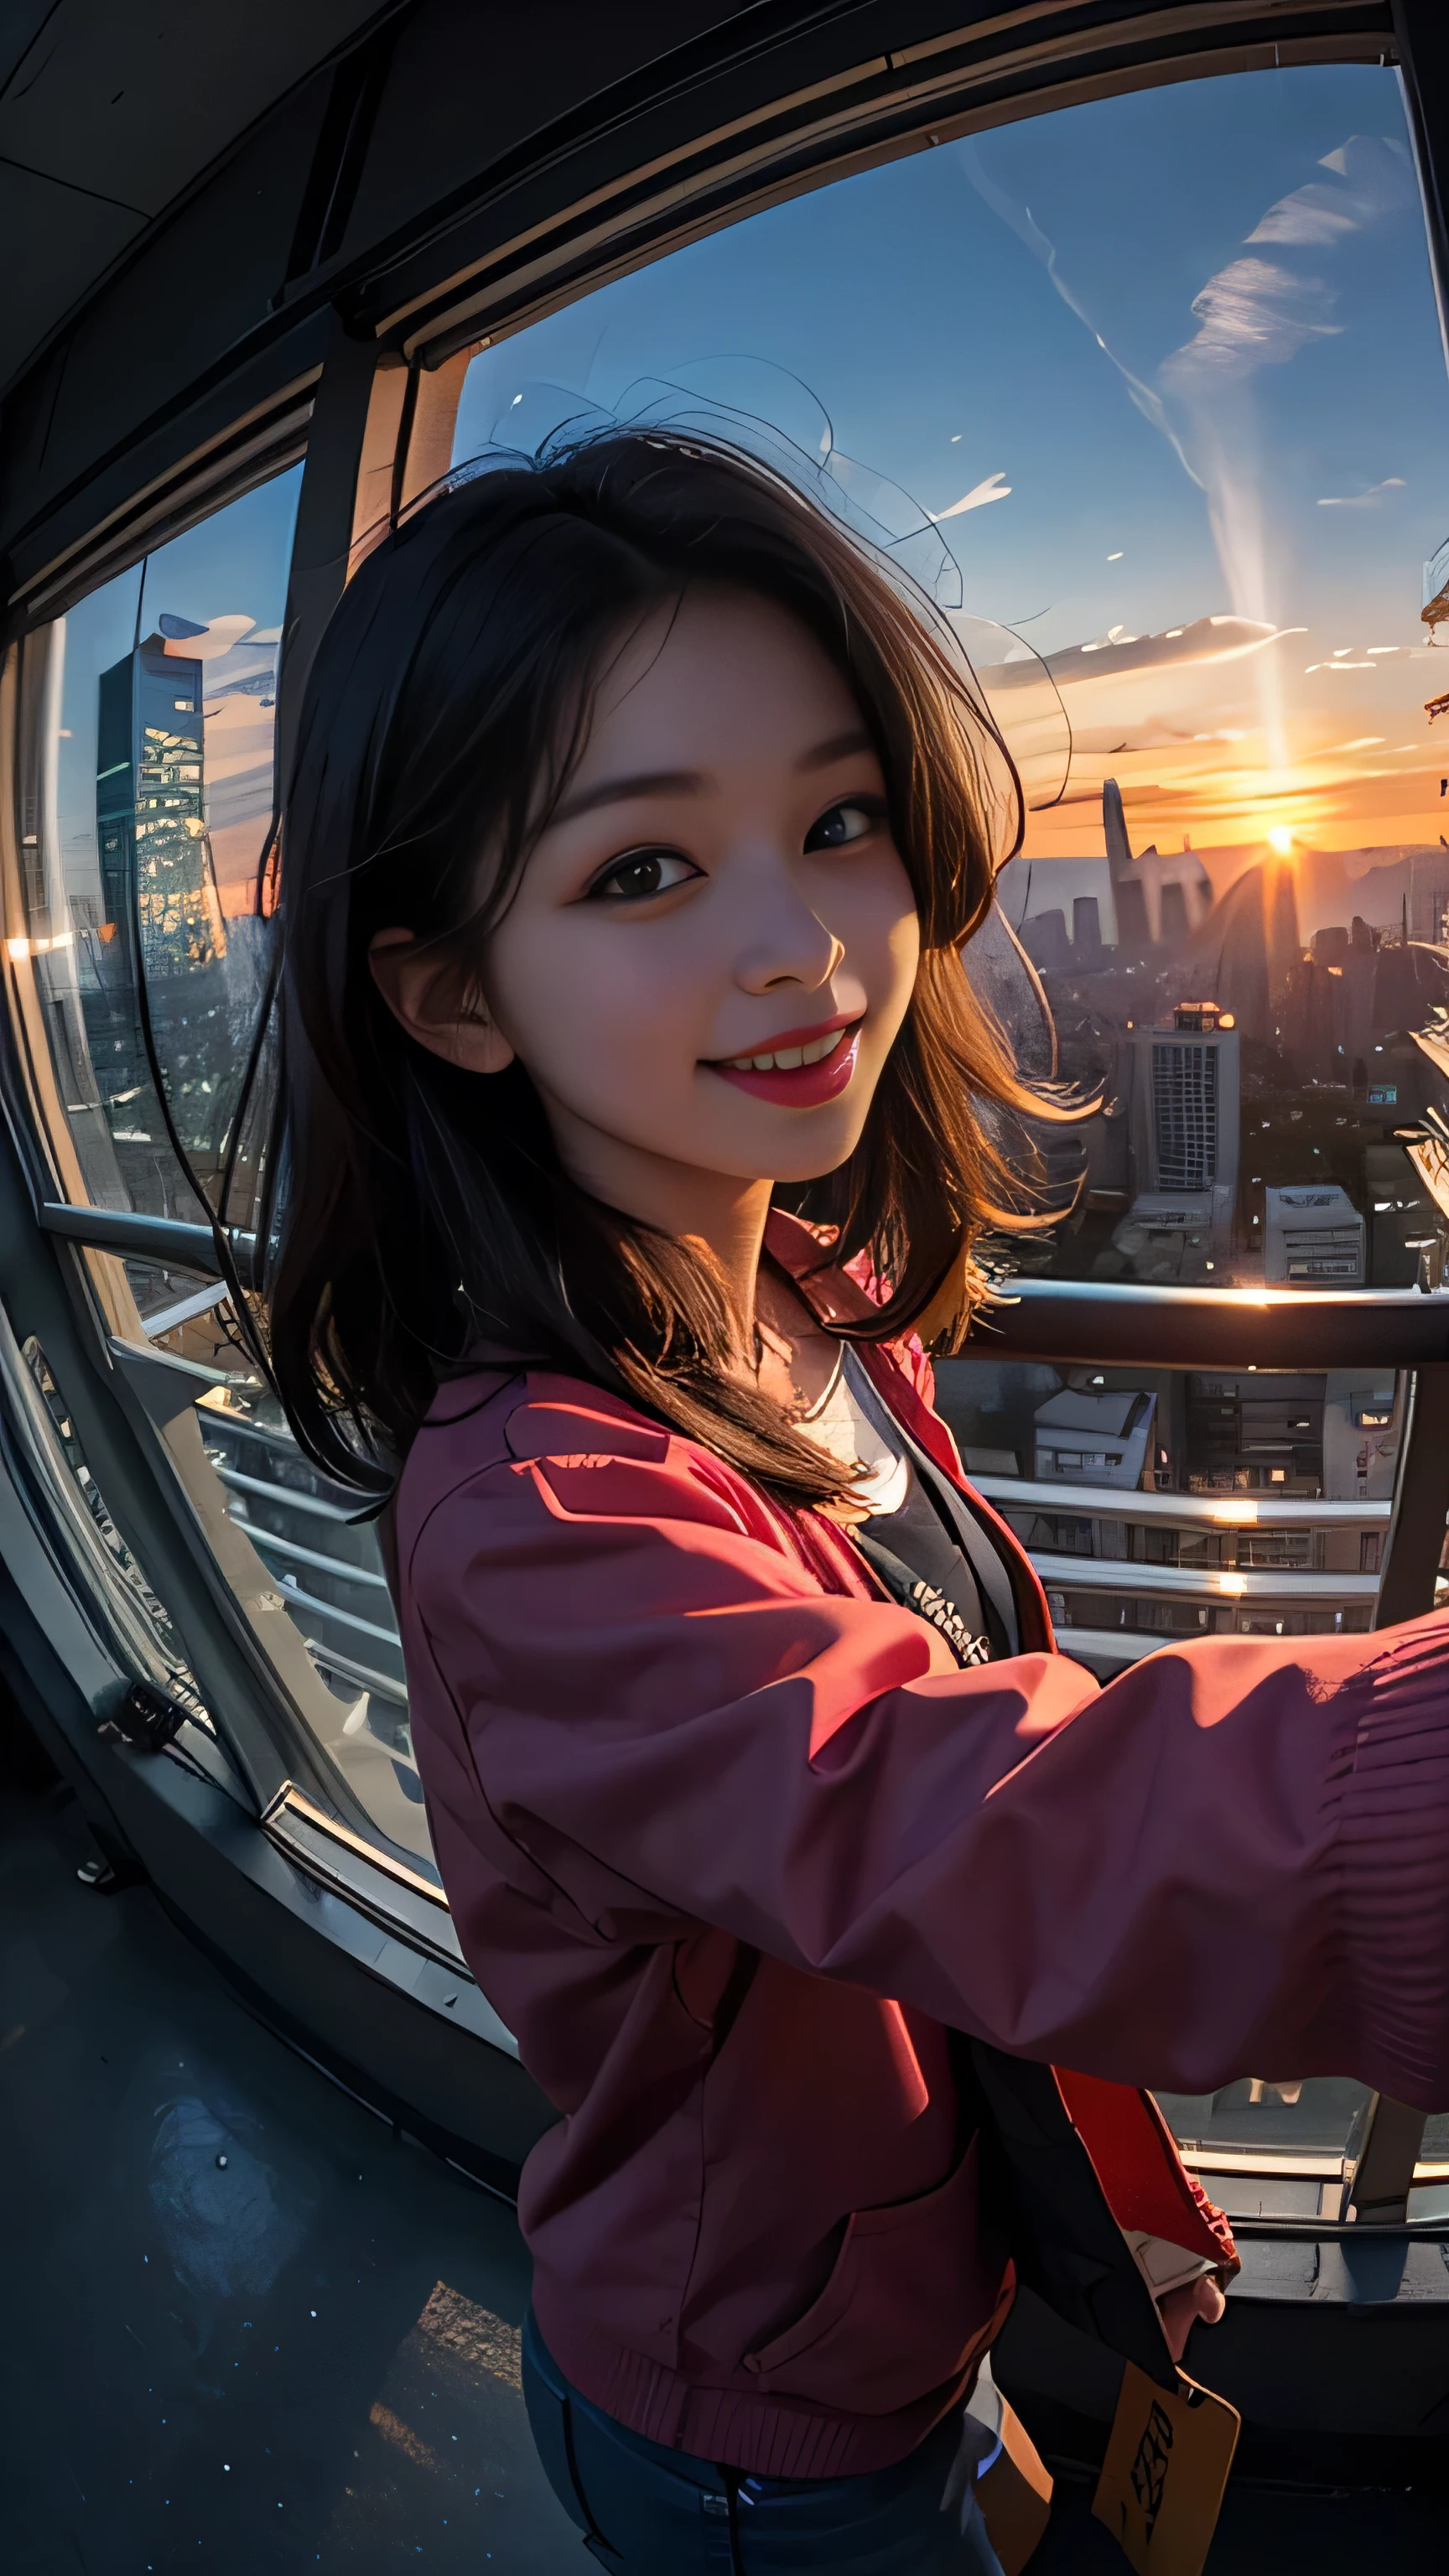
point(1234, 1855)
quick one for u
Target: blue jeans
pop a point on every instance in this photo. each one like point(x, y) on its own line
point(648, 2511)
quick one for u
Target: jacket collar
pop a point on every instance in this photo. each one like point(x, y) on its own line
point(835, 1298)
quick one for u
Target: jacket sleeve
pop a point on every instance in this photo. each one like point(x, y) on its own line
point(1233, 1858)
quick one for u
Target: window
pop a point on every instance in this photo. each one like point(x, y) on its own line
point(139, 949)
point(1186, 472)
point(1150, 393)
point(1189, 470)
point(139, 957)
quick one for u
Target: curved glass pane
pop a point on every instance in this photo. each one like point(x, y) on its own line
point(1163, 376)
point(1174, 481)
point(151, 708)
point(139, 964)
point(289, 1542)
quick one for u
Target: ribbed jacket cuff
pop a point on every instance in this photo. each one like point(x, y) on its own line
point(1388, 1784)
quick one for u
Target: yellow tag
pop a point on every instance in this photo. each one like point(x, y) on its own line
point(1162, 2481)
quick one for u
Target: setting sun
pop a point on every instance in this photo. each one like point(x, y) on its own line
point(1280, 839)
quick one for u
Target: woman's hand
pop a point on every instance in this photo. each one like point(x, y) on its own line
point(1181, 2309)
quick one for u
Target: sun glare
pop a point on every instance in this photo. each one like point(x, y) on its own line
point(1281, 840)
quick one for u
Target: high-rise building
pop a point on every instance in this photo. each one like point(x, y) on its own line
point(1428, 906)
point(1086, 931)
point(1185, 1102)
point(1183, 1135)
point(157, 881)
point(1157, 896)
point(1314, 1238)
point(1044, 937)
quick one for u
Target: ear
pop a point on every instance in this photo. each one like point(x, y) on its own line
point(429, 996)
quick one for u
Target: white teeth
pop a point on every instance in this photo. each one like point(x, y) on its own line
point(787, 1059)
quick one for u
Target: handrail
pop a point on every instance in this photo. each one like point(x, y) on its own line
point(149, 1238)
point(1221, 1512)
point(1081, 1322)
point(1125, 1324)
point(1125, 1574)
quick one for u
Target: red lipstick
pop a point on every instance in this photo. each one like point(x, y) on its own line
point(803, 1086)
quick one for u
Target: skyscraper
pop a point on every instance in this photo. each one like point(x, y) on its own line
point(1157, 896)
point(1184, 1146)
point(156, 874)
point(1185, 1102)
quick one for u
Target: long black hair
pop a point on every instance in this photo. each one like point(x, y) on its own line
point(414, 1211)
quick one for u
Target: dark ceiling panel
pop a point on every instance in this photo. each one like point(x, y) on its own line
point(131, 101)
point(21, 26)
point(471, 79)
point(55, 241)
point(196, 288)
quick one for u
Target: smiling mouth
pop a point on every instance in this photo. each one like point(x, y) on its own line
point(785, 1059)
point(802, 1070)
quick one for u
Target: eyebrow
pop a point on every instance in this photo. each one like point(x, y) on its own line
point(621, 791)
point(691, 782)
point(841, 746)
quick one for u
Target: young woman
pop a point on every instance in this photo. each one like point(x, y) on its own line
point(633, 837)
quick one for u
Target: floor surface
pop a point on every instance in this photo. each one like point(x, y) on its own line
point(249, 2329)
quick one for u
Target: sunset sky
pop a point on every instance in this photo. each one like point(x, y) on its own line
point(1165, 370)
point(1180, 352)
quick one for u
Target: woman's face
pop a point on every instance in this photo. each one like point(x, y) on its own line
point(714, 943)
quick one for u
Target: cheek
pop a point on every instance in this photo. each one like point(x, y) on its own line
point(881, 931)
point(590, 1011)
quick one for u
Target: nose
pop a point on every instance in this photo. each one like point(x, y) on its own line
point(784, 943)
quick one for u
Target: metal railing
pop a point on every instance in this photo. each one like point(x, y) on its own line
point(1078, 1322)
point(1113, 1324)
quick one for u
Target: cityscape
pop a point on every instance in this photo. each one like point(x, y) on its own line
point(1274, 1113)
point(1268, 1100)
point(1232, 901)
point(1272, 1109)
point(150, 921)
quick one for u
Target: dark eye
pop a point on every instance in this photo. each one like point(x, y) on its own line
point(848, 821)
point(641, 874)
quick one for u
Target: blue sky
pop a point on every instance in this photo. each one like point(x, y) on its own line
point(1018, 305)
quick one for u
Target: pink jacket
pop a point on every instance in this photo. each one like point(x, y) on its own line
point(730, 1863)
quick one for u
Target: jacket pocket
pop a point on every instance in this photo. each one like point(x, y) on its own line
point(910, 2296)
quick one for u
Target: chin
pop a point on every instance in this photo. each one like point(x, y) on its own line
point(814, 1156)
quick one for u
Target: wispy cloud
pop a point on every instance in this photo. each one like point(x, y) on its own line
point(995, 488)
point(1275, 298)
point(1368, 500)
point(1374, 170)
point(1254, 313)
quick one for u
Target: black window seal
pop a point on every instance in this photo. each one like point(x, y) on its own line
point(835, 118)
